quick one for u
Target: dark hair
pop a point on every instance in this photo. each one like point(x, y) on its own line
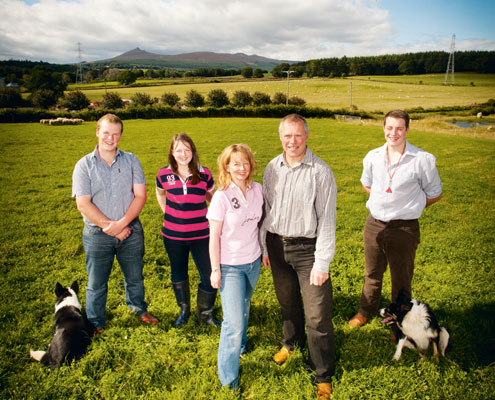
point(193, 164)
point(111, 118)
point(399, 114)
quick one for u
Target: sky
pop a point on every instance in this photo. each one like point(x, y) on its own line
point(297, 30)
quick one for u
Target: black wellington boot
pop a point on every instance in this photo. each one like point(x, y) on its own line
point(206, 301)
point(182, 295)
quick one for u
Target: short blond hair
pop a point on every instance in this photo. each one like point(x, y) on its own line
point(111, 118)
point(224, 179)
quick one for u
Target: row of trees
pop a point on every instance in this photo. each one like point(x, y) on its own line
point(395, 64)
point(217, 98)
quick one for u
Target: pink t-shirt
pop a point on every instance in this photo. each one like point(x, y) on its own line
point(239, 241)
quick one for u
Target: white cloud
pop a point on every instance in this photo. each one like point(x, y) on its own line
point(290, 29)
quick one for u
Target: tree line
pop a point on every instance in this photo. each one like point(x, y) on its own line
point(395, 64)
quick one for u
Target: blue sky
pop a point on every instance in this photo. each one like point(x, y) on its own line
point(49, 30)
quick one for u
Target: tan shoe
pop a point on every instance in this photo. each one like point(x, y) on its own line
point(323, 390)
point(283, 355)
point(358, 321)
point(148, 319)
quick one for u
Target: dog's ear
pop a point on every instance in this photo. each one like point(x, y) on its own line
point(75, 287)
point(59, 289)
point(406, 307)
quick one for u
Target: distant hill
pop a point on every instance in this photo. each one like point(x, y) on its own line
point(200, 59)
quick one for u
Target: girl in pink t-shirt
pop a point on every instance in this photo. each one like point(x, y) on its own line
point(234, 214)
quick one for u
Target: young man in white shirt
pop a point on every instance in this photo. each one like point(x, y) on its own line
point(401, 180)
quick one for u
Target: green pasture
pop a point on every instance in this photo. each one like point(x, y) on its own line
point(460, 78)
point(368, 95)
point(41, 244)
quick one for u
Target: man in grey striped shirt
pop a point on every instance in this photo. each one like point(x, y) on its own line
point(298, 239)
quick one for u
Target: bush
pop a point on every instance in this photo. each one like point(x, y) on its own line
point(247, 72)
point(111, 100)
point(143, 99)
point(297, 101)
point(218, 98)
point(43, 98)
point(242, 98)
point(10, 98)
point(279, 98)
point(126, 77)
point(74, 100)
point(194, 99)
point(170, 99)
point(260, 98)
point(258, 73)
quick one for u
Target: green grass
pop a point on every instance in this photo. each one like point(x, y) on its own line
point(376, 94)
point(41, 244)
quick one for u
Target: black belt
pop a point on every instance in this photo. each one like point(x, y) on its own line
point(397, 222)
point(295, 240)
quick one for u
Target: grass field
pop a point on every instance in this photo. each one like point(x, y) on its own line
point(41, 244)
point(374, 94)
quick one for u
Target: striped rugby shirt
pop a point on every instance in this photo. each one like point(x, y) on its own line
point(185, 212)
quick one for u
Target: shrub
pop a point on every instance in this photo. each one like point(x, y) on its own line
point(260, 98)
point(194, 99)
point(258, 73)
point(242, 98)
point(143, 99)
point(218, 98)
point(247, 72)
point(170, 99)
point(74, 100)
point(10, 97)
point(126, 77)
point(297, 101)
point(111, 100)
point(279, 98)
point(43, 98)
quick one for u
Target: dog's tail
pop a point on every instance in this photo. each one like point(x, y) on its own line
point(37, 355)
point(444, 340)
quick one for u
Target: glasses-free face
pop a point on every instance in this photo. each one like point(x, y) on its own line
point(109, 135)
point(395, 132)
point(293, 138)
point(239, 168)
point(182, 153)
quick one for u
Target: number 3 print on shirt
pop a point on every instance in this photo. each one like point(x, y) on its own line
point(235, 203)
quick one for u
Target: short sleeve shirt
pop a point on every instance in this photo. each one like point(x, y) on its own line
point(110, 187)
point(185, 211)
point(239, 239)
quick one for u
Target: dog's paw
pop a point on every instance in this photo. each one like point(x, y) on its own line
point(37, 355)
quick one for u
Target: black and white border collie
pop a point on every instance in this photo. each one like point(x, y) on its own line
point(417, 326)
point(70, 330)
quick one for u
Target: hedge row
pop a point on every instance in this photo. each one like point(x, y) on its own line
point(159, 111)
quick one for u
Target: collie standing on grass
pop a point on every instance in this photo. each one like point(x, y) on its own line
point(234, 214)
point(182, 190)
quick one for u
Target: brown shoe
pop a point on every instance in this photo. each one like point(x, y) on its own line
point(358, 321)
point(323, 390)
point(97, 331)
point(148, 319)
point(283, 355)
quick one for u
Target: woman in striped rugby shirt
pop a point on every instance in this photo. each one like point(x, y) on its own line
point(182, 190)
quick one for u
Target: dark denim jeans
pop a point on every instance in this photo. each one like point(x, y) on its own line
point(178, 254)
point(291, 269)
point(101, 250)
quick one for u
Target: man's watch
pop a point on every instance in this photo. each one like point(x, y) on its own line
point(215, 269)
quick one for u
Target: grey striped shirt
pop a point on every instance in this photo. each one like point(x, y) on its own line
point(301, 202)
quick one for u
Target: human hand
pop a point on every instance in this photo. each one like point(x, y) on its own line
point(124, 234)
point(113, 228)
point(318, 278)
point(216, 279)
point(266, 262)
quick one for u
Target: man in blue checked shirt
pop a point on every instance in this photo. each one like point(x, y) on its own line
point(110, 191)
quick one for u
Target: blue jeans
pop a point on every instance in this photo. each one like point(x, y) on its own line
point(178, 254)
point(101, 250)
point(236, 290)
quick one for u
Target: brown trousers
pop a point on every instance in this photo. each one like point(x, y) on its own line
point(393, 243)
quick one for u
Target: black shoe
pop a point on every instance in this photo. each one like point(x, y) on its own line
point(182, 295)
point(206, 302)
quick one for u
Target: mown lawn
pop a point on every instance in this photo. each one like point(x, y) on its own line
point(41, 244)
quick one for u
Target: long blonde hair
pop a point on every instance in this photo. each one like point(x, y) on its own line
point(224, 178)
